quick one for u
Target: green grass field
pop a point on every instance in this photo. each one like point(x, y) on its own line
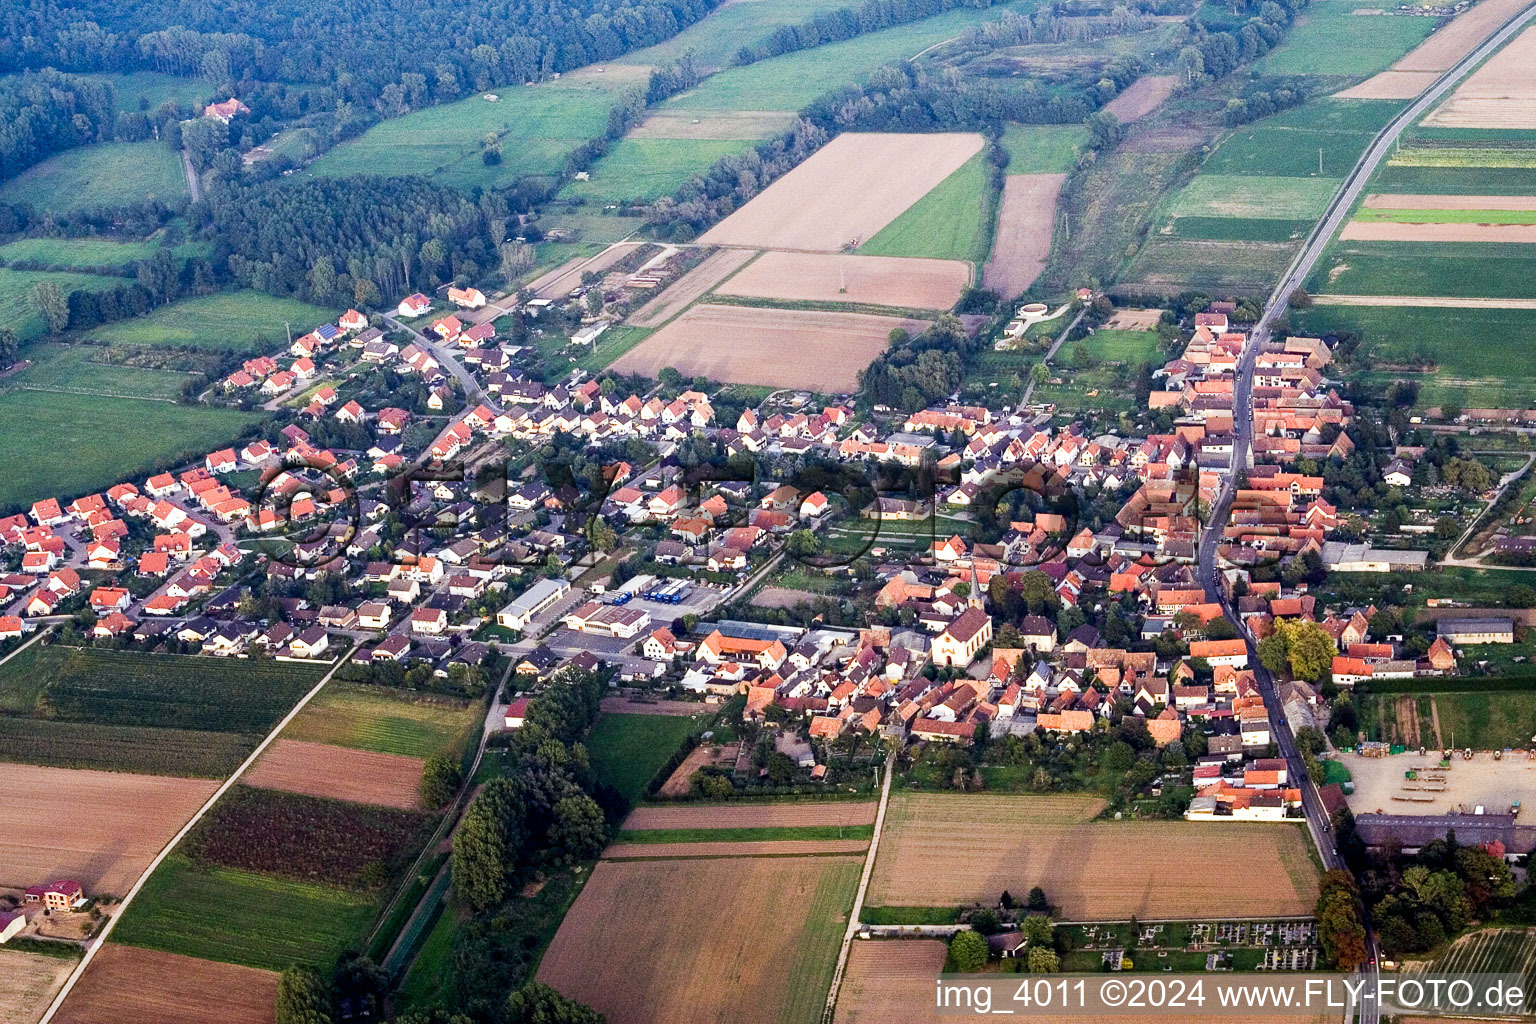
point(1487, 721)
point(226, 320)
point(1390, 216)
point(1471, 157)
point(538, 124)
point(114, 748)
point(644, 169)
point(591, 227)
point(1288, 144)
point(426, 982)
point(947, 223)
point(73, 369)
point(825, 914)
point(1131, 347)
point(1253, 196)
point(1239, 267)
point(1332, 40)
point(20, 313)
point(1463, 270)
point(374, 718)
point(1043, 148)
point(1455, 181)
point(1476, 375)
point(77, 252)
point(146, 90)
point(628, 750)
point(243, 918)
point(105, 441)
point(715, 39)
point(102, 174)
point(1241, 229)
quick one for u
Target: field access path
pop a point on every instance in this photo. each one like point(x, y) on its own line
point(858, 900)
point(95, 945)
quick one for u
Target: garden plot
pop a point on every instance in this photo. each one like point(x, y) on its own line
point(872, 280)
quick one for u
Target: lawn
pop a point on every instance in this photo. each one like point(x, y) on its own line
point(628, 750)
point(1486, 375)
point(1131, 347)
point(228, 320)
point(650, 168)
point(385, 721)
point(714, 40)
point(101, 441)
point(1330, 39)
point(20, 313)
point(950, 222)
point(1465, 269)
point(74, 370)
point(89, 253)
point(538, 125)
point(1043, 148)
point(1254, 196)
point(102, 174)
point(243, 918)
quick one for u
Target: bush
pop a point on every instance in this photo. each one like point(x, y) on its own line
point(968, 951)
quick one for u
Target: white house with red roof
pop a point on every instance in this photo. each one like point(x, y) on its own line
point(414, 305)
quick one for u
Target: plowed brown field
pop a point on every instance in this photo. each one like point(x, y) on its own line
point(99, 828)
point(833, 812)
point(1142, 97)
point(875, 280)
point(126, 984)
point(788, 348)
point(845, 192)
point(339, 773)
point(1389, 231)
point(942, 849)
point(1500, 94)
point(1024, 228)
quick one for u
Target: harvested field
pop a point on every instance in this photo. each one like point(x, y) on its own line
point(148, 987)
point(787, 348)
point(1134, 320)
point(722, 124)
point(682, 293)
point(1390, 85)
point(844, 193)
point(942, 849)
point(1025, 224)
point(1413, 73)
point(683, 708)
point(28, 982)
point(562, 279)
point(100, 828)
point(1500, 94)
point(1423, 301)
point(1142, 97)
point(751, 941)
point(339, 773)
point(834, 812)
point(1394, 231)
point(1392, 201)
point(766, 848)
point(873, 280)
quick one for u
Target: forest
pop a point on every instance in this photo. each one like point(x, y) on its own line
point(46, 112)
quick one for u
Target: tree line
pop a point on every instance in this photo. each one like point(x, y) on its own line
point(1211, 54)
point(1261, 103)
point(47, 112)
point(846, 23)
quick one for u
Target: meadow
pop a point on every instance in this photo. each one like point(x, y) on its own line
point(1330, 39)
point(951, 222)
point(714, 40)
point(74, 369)
point(1170, 264)
point(1253, 196)
point(146, 90)
point(242, 918)
point(1487, 721)
point(385, 721)
point(628, 750)
point(646, 169)
point(227, 320)
point(1287, 144)
point(101, 174)
point(88, 253)
point(1464, 270)
point(1043, 148)
point(538, 125)
point(107, 441)
point(20, 313)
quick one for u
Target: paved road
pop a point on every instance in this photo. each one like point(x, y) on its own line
point(474, 394)
point(194, 181)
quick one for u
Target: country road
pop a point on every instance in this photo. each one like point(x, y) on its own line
point(194, 181)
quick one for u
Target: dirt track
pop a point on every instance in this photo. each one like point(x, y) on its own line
point(1500, 94)
point(845, 192)
point(1388, 231)
point(125, 984)
point(99, 828)
point(677, 296)
point(787, 348)
point(559, 282)
point(837, 277)
point(1407, 201)
point(1024, 228)
point(1142, 97)
point(339, 773)
point(832, 812)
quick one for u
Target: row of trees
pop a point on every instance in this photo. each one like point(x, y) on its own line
point(46, 112)
point(1261, 103)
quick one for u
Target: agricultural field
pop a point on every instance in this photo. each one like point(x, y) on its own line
point(1466, 270)
point(1026, 221)
point(158, 690)
point(242, 918)
point(385, 721)
point(1172, 264)
point(28, 982)
point(101, 828)
point(845, 278)
point(829, 200)
point(307, 839)
point(1498, 95)
point(1480, 376)
point(19, 312)
point(951, 222)
point(766, 955)
point(128, 984)
point(108, 441)
point(1142, 97)
point(180, 752)
point(101, 174)
point(628, 750)
point(1452, 171)
point(1043, 148)
point(682, 293)
point(714, 40)
point(1491, 951)
point(244, 320)
point(1331, 39)
point(1290, 143)
point(750, 843)
point(75, 370)
point(540, 124)
point(339, 773)
point(782, 348)
point(1256, 197)
point(648, 168)
point(1418, 231)
point(966, 848)
point(89, 253)
point(751, 816)
point(1419, 68)
point(1487, 721)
